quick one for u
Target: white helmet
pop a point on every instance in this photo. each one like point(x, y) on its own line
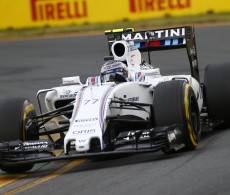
point(114, 70)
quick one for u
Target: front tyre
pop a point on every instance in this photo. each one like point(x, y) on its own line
point(176, 103)
point(15, 113)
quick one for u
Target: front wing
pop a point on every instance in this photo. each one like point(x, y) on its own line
point(161, 138)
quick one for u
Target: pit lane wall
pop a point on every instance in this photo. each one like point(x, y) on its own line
point(37, 13)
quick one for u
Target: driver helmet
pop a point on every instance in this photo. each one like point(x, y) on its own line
point(112, 68)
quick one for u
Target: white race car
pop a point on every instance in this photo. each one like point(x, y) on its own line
point(129, 108)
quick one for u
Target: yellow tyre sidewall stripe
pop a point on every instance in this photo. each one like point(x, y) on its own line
point(29, 108)
point(186, 105)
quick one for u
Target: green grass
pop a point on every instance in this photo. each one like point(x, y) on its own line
point(209, 18)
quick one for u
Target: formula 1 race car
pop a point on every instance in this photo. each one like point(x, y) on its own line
point(129, 108)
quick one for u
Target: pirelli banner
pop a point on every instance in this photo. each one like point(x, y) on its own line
point(36, 13)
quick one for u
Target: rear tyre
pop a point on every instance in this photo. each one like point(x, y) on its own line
point(217, 91)
point(175, 103)
point(15, 113)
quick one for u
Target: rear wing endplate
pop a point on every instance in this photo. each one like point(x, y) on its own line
point(161, 39)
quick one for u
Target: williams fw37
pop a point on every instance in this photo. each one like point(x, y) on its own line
point(129, 107)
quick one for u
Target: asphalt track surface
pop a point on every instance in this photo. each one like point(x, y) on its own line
point(29, 65)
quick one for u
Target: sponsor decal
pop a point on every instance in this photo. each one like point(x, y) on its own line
point(169, 33)
point(67, 91)
point(143, 136)
point(85, 125)
point(33, 145)
point(93, 101)
point(133, 99)
point(140, 6)
point(171, 136)
point(84, 132)
point(86, 120)
point(132, 48)
point(52, 10)
point(112, 64)
point(81, 140)
point(68, 94)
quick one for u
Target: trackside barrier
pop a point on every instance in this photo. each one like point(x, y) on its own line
point(37, 13)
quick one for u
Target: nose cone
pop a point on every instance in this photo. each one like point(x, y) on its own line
point(82, 144)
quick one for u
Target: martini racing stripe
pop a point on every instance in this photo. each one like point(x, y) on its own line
point(92, 81)
point(102, 106)
point(166, 42)
point(80, 97)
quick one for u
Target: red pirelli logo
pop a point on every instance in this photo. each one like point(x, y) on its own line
point(157, 5)
point(48, 10)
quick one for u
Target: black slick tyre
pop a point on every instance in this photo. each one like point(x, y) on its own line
point(217, 91)
point(175, 103)
point(14, 114)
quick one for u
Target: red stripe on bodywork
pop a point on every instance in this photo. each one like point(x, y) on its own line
point(154, 43)
point(78, 103)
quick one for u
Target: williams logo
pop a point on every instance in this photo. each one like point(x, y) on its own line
point(53, 10)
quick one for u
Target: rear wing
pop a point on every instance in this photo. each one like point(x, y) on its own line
point(161, 39)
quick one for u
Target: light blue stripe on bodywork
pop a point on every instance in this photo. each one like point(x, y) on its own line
point(175, 42)
point(138, 44)
point(102, 105)
point(167, 42)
